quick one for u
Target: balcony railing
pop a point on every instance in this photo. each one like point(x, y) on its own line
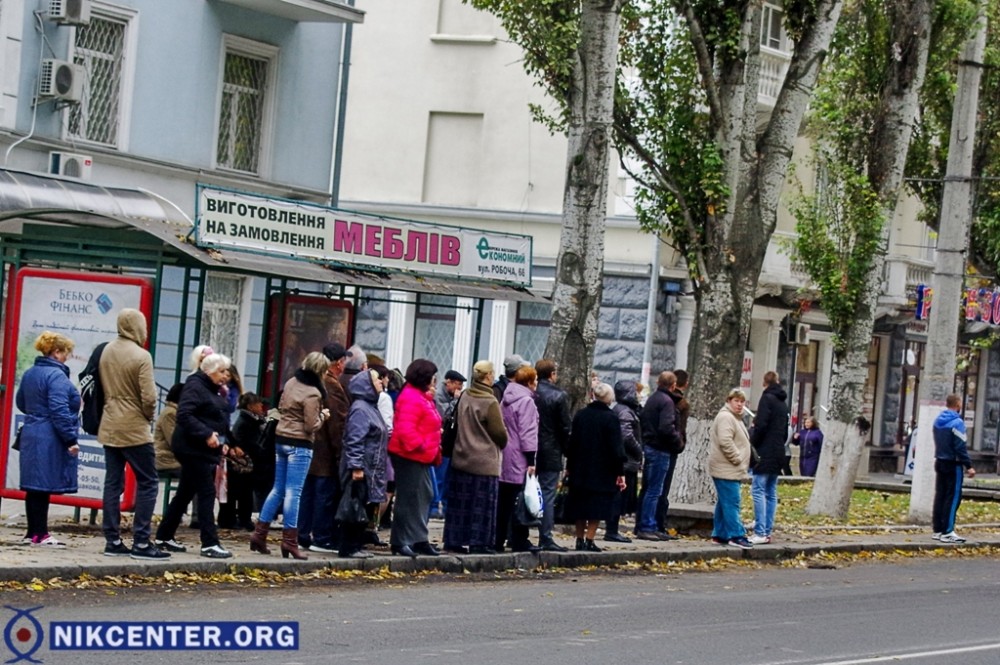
point(773, 67)
point(900, 277)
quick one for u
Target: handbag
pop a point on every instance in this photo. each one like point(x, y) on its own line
point(560, 509)
point(523, 516)
point(17, 438)
point(239, 465)
point(449, 431)
point(534, 503)
point(352, 509)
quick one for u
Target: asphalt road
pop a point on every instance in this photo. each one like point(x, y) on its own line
point(921, 611)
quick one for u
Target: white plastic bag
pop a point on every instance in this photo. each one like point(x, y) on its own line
point(533, 496)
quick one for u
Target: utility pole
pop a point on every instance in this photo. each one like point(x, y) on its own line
point(938, 377)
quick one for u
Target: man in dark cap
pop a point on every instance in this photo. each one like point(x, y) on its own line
point(510, 366)
point(445, 398)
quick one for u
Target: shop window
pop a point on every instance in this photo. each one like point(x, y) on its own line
point(871, 382)
point(531, 330)
point(220, 313)
point(102, 49)
point(966, 383)
point(806, 373)
point(247, 88)
point(909, 411)
point(434, 331)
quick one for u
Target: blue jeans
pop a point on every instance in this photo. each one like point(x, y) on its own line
point(142, 459)
point(549, 482)
point(316, 508)
point(764, 490)
point(654, 473)
point(439, 481)
point(727, 510)
point(290, 468)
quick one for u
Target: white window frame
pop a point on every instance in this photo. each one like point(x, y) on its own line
point(248, 47)
point(766, 16)
point(127, 84)
point(241, 308)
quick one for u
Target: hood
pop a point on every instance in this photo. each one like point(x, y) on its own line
point(947, 419)
point(516, 393)
point(361, 387)
point(777, 390)
point(132, 325)
point(625, 393)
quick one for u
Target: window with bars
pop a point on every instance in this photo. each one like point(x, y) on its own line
point(434, 330)
point(220, 313)
point(531, 330)
point(99, 48)
point(246, 86)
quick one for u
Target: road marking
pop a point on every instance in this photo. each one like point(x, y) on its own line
point(917, 654)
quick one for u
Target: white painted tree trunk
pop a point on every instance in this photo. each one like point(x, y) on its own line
point(579, 277)
point(843, 441)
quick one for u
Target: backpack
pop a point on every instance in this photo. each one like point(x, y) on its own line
point(449, 431)
point(92, 392)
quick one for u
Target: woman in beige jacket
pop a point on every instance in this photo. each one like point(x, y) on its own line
point(728, 461)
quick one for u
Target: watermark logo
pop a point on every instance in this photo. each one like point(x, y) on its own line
point(24, 634)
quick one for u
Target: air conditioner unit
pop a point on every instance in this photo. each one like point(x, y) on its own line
point(61, 80)
point(70, 164)
point(70, 12)
point(802, 334)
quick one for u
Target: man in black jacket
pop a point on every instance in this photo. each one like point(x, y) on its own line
point(659, 437)
point(769, 433)
point(683, 410)
point(554, 424)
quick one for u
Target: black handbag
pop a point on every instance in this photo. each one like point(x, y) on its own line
point(353, 509)
point(560, 507)
point(449, 431)
point(17, 438)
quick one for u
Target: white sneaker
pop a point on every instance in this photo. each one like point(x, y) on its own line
point(952, 537)
point(216, 552)
point(48, 542)
point(759, 540)
point(936, 535)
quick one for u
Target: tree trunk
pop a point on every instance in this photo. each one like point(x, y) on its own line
point(886, 158)
point(576, 299)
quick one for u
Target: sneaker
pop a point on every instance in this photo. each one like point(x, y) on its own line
point(951, 537)
point(323, 548)
point(648, 535)
point(741, 543)
point(216, 552)
point(359, 554)
point(116, 548)
point(148, 551)
point(48, 542)
point(170, 545)
point(759, 540)
point(936, 535)
point(26, 540)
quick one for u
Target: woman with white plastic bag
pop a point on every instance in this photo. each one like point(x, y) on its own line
point(520, 417)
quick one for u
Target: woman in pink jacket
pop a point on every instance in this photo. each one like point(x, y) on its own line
point(520, 416)
point(415, 446)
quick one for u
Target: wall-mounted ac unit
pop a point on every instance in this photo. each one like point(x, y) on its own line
point(802, 334)
point(70, 12)
point(61, 80)
point(70, 164)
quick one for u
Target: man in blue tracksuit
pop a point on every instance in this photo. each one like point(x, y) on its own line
point(951, 461)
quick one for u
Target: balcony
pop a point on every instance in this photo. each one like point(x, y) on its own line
point(773, 67)
point(304, 11)
point(900, 277)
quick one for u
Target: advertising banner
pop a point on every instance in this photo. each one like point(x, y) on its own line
point(83, 307)
point(294, 229)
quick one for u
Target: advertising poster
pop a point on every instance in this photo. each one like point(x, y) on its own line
point(309, 324)
point(84, 307)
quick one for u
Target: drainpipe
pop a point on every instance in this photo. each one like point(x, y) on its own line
point(654, 292)
point(338, 146)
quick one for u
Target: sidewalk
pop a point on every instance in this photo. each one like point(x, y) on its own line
point(85, 546)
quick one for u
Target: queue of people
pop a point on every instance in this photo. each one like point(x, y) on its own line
point(345, 439)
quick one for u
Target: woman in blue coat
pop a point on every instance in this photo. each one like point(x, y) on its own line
point(363, 460)
point(810, 442)
point(48, 458)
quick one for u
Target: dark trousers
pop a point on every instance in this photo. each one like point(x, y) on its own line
point(238, 508)
point(507, 523)
point(197, 478)
point(663, 505)
point(36, 510)
point(621, 502)
point(947, 494)
point(317, 505)
point(352, 536)
point(142, 459)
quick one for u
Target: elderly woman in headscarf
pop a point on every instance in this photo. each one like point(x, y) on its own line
point(473, 483)
point(595, 466)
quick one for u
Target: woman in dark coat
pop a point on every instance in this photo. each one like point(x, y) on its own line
point(199, 441)
point(48, 455)
point(809, 439)
point(595, 464)
point(244, 448)
point(627, 409)
point(364, 456)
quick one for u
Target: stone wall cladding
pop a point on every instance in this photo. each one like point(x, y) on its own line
point(622, 331)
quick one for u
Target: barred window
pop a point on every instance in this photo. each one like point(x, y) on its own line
point(220, 313)
point(243, 118)
point(100, 48)
point(531, 330)
point(434, 330)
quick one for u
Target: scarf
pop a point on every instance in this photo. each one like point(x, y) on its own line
point(310, 379)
